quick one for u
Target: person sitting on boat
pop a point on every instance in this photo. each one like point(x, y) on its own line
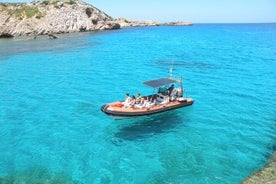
point(139, 98)
point(127, 101)
point(170, 89)
point(142, 103)
point(174, 94)
point(149, 102)
point(133, 101)
point(153, 98)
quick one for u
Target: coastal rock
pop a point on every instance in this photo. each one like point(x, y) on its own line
point(52, 36)
point(135, 23)
point(178, 23)
point(61, 16)
point(52, 17)
point(266, 175)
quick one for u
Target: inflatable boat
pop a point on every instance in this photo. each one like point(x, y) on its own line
point(165, 99)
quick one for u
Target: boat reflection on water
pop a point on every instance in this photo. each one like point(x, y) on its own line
point(145, 127)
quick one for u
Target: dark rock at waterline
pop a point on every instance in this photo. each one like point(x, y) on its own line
point(6, 35)
point(52, 36)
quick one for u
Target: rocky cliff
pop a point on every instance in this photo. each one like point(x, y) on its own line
point(49, 17)
point(52, 17)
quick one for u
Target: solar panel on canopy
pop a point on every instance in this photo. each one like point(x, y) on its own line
point(159, 82)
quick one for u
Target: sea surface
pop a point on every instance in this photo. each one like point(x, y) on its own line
point(51, 92)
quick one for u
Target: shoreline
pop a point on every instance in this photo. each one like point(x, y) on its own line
point(27, 36)
point(55, 17)
point(264, 175)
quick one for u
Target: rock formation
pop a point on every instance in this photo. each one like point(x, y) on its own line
point(52, 17)
point(178, 23)
point(49, 17)
point(266, 175)
point(134, 23)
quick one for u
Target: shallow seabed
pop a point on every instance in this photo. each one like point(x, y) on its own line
point(51, 92)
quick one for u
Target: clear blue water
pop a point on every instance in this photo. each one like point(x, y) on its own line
point(51, 92)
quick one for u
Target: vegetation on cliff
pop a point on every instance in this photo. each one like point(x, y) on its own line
point(60, 16)
point(22, 11)
point(52, 17)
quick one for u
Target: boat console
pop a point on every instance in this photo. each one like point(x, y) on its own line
point(162, 99)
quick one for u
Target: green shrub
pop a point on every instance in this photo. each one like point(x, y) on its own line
point(30, 12)
point(38, 17)
point(26, 10)
point(46, 2)
point(72, 2)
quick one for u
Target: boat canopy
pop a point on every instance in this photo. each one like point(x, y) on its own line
point(159, 82)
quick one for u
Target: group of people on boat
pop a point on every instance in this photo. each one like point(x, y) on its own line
point(136, 102)
point(148, 101)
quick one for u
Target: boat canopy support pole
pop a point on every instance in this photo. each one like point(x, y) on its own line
point(181, 87)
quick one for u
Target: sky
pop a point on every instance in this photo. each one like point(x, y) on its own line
point(196, 11)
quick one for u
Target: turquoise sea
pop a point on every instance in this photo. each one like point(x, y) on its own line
point(51, 91)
